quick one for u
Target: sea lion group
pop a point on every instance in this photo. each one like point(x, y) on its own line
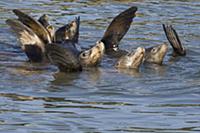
point(42, 43)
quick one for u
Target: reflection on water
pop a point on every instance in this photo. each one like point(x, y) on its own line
point(38, 98)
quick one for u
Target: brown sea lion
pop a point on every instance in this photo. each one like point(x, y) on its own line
point(118, 28)
point(131, 60)
point(34, 35)
point(68, 58)
point(92, 57)
point(114, 33)
point(173, 38)
point(156, 54)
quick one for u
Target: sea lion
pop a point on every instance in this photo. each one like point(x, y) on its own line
point(156, 54)
point(92, 57)
point(69, 59)
point(64, 45)
point(65, 58)
point(34, 35)
point(118, 28)
point(113, 34)
point(131, 60)
point(173, 38)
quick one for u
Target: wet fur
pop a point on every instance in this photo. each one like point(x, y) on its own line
point(66, 59)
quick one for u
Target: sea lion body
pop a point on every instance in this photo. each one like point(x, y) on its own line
point(68, 58)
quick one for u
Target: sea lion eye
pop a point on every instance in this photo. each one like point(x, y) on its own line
point(83, 55)
point(117, 64)
point(154, 50)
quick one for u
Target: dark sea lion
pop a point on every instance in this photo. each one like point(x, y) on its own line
point(34, 35)
point(131, 60)
point(174, 40)
point(67, 59)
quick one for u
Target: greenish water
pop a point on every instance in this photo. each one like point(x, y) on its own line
point(163, 99)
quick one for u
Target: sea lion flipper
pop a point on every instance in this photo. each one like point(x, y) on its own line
point(76, 35)
point(68, 32)
point(118, 28)
point(174, 40)
point(44, 20)
point(65, 59)
point(33, 24)
point(31, 44)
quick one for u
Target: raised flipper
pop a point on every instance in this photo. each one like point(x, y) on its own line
point(65, 59)
point(44, 20)
point(118, 28)
point(174, 40)
point(31, 44)
point(34, 25)
point(68, 32)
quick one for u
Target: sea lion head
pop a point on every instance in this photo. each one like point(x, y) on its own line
point(92, 56)
point(132, 60)
point(156, 54)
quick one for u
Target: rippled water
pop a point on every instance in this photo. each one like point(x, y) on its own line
point(37, 98)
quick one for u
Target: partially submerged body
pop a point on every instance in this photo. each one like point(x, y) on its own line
point(40, 41)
